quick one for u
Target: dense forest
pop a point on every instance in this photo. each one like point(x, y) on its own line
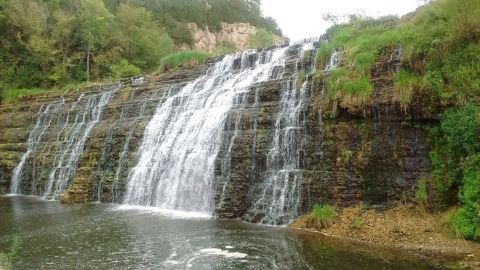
point(60, 43)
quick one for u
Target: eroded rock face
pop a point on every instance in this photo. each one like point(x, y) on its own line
point(236, 34)
point(369, 156)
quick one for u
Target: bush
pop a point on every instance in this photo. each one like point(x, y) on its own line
point(467, 219)
point(456, 163)
point(182, 59)
point(323, 215)
point(261, 39)
point(124, 70)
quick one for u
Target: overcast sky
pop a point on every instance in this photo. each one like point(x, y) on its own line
point(303, 18)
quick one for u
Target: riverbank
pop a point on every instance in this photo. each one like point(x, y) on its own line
point(403, 227)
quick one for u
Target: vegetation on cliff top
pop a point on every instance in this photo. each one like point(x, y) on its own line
point(439, 47)
point(53, 43)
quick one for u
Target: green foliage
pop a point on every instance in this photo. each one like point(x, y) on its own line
point(440, 50)
point(347, 155)
point(209, 13)
point(300, 78)
point(11, 95)
point(45, 44)
point(223, 49)
point(144, 43)
point(356, 224)
point(323, 54)
point(323, 215)
point(467, 219)
point(351, 91)
point(421, 194)
point(404, 84)
point(261, 39)
point(184, 58)
point(456, 164)
point(124, 70)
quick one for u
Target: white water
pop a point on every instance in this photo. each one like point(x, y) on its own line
point(280, 196)
point(180, 144)
point(66, 159)
point(44, 120)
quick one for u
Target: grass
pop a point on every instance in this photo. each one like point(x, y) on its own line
point(421, 194)
point(404, 85)
point(12, 95)
point(440, 54)
point(323, 215)
point(300, 79)
point(347, 155)
point(356, 224)
point(182, 59)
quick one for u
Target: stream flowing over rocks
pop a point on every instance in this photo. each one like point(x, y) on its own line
point(240, 136)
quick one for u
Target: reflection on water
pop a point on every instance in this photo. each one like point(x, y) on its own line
point(36, 234)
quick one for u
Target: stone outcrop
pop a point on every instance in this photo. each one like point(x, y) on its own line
point(371, 155)
point(233, 34)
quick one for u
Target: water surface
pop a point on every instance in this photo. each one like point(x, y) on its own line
point(38, 234)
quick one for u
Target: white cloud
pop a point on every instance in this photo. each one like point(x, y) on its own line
point(303, 18)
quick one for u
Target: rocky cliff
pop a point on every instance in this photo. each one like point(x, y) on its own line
point(371, 155)
point(236, 35)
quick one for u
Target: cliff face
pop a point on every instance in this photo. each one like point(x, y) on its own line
point(234, 34)
point(369, 155)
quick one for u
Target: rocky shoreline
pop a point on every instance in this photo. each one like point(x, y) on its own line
point(403, 227)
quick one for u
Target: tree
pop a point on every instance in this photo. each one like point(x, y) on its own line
point(94, 22)
point(262, 38)
point(143, 41)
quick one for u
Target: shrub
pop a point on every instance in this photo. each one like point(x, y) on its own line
point(123, 70)
point(323, 215)
point(261, 39)
point(456, 163)
point(467, 219)
point(182, 59)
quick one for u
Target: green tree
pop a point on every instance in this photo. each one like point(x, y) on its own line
point(94, 22)
point(143, 41)
point(262, 38)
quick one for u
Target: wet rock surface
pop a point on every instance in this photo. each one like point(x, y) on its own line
point(372, 156)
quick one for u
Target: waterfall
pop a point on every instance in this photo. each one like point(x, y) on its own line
point(279, 199)
point(72, 144)
point(175, 169)
point(43, 122)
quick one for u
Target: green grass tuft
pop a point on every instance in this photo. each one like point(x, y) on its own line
point(183, 59)
point(12, 95)
point(323, 215)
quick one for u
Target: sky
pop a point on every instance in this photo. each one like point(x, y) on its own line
point(303, 18)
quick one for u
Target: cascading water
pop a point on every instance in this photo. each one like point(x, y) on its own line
point(279, 198)
point(175, 169)
point(71, 146)
point(44, 120)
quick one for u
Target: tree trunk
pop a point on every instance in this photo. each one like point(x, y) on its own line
point(88, 65)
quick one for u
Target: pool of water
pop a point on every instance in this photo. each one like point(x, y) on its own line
point(38, 234)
